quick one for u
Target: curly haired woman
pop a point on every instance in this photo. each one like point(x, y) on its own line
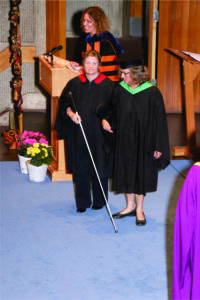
point(95, 23)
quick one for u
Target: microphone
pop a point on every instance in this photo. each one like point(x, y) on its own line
point(54, 50)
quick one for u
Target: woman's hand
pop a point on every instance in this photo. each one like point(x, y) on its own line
point(106, 126)
point(76, 66)
point(157, 154)
point(74, 117)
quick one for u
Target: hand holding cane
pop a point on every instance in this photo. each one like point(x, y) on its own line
point(106, 201)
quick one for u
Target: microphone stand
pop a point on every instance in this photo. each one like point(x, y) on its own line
point(50, 53)
point(51, 57)
point(51, 60)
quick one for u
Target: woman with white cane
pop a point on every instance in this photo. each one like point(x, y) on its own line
point(88, 90)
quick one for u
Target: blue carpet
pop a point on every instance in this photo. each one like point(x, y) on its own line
point(48, 251)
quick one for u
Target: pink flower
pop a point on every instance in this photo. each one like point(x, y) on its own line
point(23, 136)
point(29, 141)
point(18, 145)
point(33, 134)
point(27, 138)
point(43, 141)
point(42, 136)
point(25, 132)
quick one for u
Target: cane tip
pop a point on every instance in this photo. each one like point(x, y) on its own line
point(116, 231)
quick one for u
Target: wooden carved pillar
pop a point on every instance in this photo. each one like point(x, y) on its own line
point(16, 59)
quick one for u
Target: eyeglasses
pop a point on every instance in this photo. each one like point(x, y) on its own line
point(120, 73)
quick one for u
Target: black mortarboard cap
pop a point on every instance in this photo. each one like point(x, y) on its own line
point(126, 64)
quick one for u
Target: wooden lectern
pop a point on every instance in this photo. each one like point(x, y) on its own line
point(53, 79)
point(191, 77)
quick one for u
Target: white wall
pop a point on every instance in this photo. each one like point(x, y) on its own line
point(33, 33)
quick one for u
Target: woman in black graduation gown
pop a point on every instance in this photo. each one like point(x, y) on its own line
point(142, 142)
point(88, 90)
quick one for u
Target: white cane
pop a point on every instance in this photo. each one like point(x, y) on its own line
point(106, 201)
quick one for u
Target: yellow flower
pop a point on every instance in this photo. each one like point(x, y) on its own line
point(29, 149)
point(36, 150)
point(46, 152)
point(33, 150)
point(36, 145)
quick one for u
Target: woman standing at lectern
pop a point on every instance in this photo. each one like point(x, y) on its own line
point(95, 23)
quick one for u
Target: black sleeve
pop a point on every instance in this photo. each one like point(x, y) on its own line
point(162, 135)
point(60, 124)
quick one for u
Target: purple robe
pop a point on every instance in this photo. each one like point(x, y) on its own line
point(186, 248)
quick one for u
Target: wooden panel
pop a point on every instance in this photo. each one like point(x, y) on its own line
point(194, 27)
point(58, 169)
point(152, 39)
point(191, 71)
point(28, 54)
point(56, 26)
point(4, 59)
point(136, 8)
point(54, 79)
point(45, 76)
point(179, 29)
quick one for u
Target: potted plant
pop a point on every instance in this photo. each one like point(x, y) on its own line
point(25, 140)
point(40, 158)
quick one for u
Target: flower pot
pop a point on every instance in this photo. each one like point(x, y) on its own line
point(22, 163)
point(36, 174)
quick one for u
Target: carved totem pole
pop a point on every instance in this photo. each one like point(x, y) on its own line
point(16, 59)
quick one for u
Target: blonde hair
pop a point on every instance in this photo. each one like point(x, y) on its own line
point(98, 15)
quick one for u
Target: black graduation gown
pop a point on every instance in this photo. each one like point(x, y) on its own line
point(109, 48)
point(141, 129)
point(87, 96)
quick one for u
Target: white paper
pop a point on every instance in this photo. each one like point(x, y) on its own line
point(196, 56)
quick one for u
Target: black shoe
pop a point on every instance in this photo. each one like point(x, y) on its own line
point(141, 222)
point(81, 210)
point(95, 207)
point(120, 215)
